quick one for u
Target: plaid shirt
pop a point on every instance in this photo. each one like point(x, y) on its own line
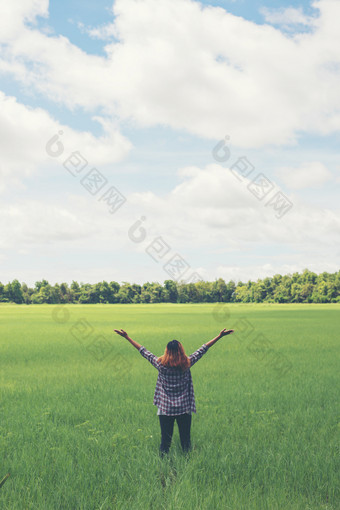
point(174, 393)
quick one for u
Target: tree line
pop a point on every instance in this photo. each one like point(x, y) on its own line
point(305, 287)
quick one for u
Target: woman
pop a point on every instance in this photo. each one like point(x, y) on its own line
point(174, 393)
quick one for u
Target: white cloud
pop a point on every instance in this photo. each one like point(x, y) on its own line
point(104, 32)
point(210, 209)
point(17, 12)
point(216, 204)
point(209, 217)
point(193, 68)
point(24, 133)
point(39, 222)
point(308, 175)
point(287, 16)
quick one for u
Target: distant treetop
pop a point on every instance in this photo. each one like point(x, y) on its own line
point(305, 287)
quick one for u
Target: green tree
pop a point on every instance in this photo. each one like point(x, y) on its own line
point(114, 286)
point(145, 294)
point(332, 292)
point(219, 290)
point(2, 293)
point(27, 293)
point(156, 292)
point(308, 277)
point(40, 284)
point(13, 292)
point(193, 294)
point(75, 291)
point(307, 292)
point(259, 292)
point(242, 293)
point(281, 294)
point(104, 293)
point(126, 293)
point(276, 279)
point(204, 290)
point(57, 295)
point(230, 292)
point(268, 285)
point(171, 287)
point(320, 292)
point(182, 289)
point(85, 289)
point(296, 293)
point(66, 295)
point(94, 293)
point(46, 294)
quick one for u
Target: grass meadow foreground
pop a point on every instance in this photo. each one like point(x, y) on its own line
point(78, 429)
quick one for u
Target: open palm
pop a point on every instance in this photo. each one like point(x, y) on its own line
point(121, 332)
point(225, 332)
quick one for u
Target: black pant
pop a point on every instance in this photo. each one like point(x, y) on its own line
point(167, 428)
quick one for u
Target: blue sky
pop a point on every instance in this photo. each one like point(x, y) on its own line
point(143, 91)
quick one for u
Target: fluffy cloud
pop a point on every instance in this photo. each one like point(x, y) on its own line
point(211, 203)
point(26, 131)
point(308, 175)
point(287, 16)
point(210, 213)
point(34, 222)
point(15, 14)
point(209, 207)
point(194, 68)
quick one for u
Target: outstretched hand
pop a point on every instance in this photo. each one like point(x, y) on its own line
point(225, 332)
point(121, 332)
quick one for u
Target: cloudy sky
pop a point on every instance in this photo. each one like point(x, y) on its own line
point(143, 140)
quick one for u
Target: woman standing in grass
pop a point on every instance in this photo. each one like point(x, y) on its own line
point(174, 393)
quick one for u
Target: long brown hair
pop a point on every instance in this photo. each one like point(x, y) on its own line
point(174, 356)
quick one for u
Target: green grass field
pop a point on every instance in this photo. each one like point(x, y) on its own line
point(78, 429)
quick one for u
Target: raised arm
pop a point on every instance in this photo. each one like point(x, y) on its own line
point(144, 352)
point(222, 333)
point(125, 335)
point(194, 357)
